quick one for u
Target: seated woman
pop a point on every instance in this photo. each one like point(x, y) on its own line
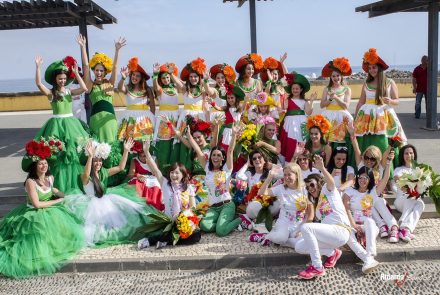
point(109, 216)
point(343, 174)
point(267, 144)
point(332, 232)
point(305, 163)
point(139, 175)
point(178, 196)
point(38, 237)
point(220, 216)
point(294, 206)
point(411, 208)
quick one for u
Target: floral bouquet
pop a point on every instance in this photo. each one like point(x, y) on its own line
point(248, 137)
point(265, 215)
point(395, 141)
point(186, 223)
point(56, 145)
point(416, 182)
point(37, 150)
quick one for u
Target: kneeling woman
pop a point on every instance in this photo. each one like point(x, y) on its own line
point(110, 216)
point(178, 198)
point(37, 237)
point(220, 216)
point(334, 230)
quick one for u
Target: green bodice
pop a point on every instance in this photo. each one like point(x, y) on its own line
point(43, 195)
point(100, 92)
point(63, 105)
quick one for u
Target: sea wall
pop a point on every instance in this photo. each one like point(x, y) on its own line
point(29, 101)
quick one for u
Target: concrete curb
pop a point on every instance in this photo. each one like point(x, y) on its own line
point(216, 262)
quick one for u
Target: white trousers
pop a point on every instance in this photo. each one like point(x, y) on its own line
point(285, 233)
point(371, 232)
point(412, 210)
point(321, 239)
point(381, 215)
point(254, 207)
point(357, 249)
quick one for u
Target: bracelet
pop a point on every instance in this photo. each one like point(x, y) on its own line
point(123, 78)
point(155, 76)
point(268, 82)
point(205, 81)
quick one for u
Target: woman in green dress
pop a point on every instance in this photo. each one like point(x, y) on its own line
point(37, 238)
point(103, 122)
point(63, 125)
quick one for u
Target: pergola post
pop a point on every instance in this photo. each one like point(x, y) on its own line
point(253, 23)
point(83, 31)
point(431, 114)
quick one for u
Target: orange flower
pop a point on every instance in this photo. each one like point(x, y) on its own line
point(133, 64)
point(371, 57)
point(165, 68)
point(342, 64)
point(229, 73)
point(319, 121)
point(198, 65)
point(270, 63)
point(256, 60)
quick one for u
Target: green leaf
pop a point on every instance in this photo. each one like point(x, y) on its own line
point(269, 221)
point(176, 237)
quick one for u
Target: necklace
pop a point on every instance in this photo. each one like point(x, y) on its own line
point(170, 90)
point(248, 89)
point(196, 91)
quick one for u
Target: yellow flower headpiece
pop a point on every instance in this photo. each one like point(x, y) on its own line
point(101, 58)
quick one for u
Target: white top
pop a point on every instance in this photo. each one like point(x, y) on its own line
point(361, 204)
point(130, 99)
point(253, 179)
point(188, 99)
point(337, 178)
point(293, 203)
point(89, 189)
point(376, 176)
point(330, 208)
point(235, 115)
point(174, 199)
point(167, 99)
point(218, 183)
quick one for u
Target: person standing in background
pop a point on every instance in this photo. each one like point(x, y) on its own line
point(420, 85)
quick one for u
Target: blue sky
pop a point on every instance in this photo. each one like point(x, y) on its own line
point(312, 32)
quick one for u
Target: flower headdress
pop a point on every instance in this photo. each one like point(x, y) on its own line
point(165, 68)
point(102, 58)
point(35, 151)
point(70, 64)
point(271, 63)
point(102, 150)
point(251, 58)
point(133, 66)
point(340, 64)
point(262, 99)
point(197, 66)
point(65, 65)
point(372, 58)
point(318, 121)
point(137, 147)
point(201, 126)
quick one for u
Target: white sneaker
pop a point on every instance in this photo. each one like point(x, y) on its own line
point(143, 243)
point(161, 245)
point(239, 228)
point(370, 265)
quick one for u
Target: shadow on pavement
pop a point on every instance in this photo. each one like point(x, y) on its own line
point(413, 127)
point(13, 140)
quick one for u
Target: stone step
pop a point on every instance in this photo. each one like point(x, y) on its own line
point(429, 212)
point(391, 198)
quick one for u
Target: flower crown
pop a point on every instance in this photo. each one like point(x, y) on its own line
point(341, 64)
point(270, 63)
point(371, 57)
point(198, 65)
point(70, 63)
point(101, 58)
point(256, 60)
point(102, 150)
point(38, 150)
point(229, 73)
point(165, 67)
point(137, 147)
point(133, 64)
point(201, 126)
point(319, 121)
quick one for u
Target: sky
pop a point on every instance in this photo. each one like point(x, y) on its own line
point(312, 32)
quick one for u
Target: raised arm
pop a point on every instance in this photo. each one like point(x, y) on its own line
point(355, 144)
point(85, 61)
point(128, 144)
point(156, 86)
point(210, 91)
point(215, 130)
point(269, 82)
point(200, 155)
point(179, 84)
point(230, 153)
point(362, 99)
point(151, 163)
point(88, 168)
point(82, 85)
point(328, 178)
point(121, 85)
point(31, 189)
point(324, 101)
point(118, 45)
point(264, 189)
point(382, 184)
point(40, 85)
point(282, 60)
point(308, 108)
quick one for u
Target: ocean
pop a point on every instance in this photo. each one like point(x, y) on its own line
point(28, 84)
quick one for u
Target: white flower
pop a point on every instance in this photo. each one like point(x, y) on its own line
point(102, 150)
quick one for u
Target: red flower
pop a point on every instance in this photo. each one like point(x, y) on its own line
point(137, 147)
point(58, 143)
point(289, 78)
point(70, 63)
point(229, 89)
point(51, 142)
point(60, 148)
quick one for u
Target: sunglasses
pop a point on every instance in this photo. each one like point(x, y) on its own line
point(302, 159)
point(257, 158)
point(341, 148)
point(310, 185)
point(364, 177)
point(372, 159)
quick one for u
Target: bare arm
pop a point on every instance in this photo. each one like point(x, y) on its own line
point(348, 183)
point(128, 144)
point(345, 102)
point(328, 178)
point(230, 153)
point(31, 189)
point(310, 213)
point(355, 144)
point(382, 184)
point(121, 85)
point(346, 201)
point(40, 85)
point(88, 168)
point(264, 189)
point(118, 45)
point(82, 84)
point(276, 149)
point(362, 99)
point(324, 101)
point(150, 162)
point(85, 61)
point(200, 155)
point(308, 107)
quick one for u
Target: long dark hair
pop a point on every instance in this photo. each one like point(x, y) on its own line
point(332, 164)
point(370, 174)
point(32, 174)
point(188, 85)
point(142, 83)
point(159, 79)
point(309, 145)
point(236, 105)
point(402, 151)
point(251, 169)
point(320, 183)
point(97, 186)
point(381, 89)
point(222, 150)
point(185, 177)
point(330, 82)
point(55, 94)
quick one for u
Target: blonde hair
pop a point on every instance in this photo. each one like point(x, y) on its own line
point(376, 153)
point(297, 171)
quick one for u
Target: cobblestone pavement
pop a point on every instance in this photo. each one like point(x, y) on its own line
point(427, 236)
point(421, 278)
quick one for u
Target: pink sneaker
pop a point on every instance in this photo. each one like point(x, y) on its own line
point(383, 231)
point(405, 235)
point(266, 242)
point(257, 237)
point(246, 223)
point(311, 272)
point(394, 234)
point(331, 260)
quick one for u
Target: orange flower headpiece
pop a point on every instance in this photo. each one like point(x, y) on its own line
point(133, 66)
point(340, 64)
point(226, 69)
point(271, 63)
point(372, 58)
point(319, 121)
point(252, 58)
point(197, 66)
point(166, 67)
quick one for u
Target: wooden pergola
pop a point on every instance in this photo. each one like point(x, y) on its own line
point(385, 7)
point(253, 20)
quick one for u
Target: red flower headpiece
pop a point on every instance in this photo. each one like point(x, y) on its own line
point(70, 63)
point(38, 150)
point(229, 89)
point(137, 147)
point(201, 126)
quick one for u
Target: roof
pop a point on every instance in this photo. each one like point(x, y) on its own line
point(15, 15)
point(384, 7)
